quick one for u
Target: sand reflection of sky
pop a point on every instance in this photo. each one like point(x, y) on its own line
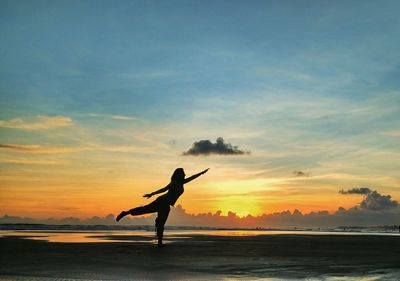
point(367, 277)
point(149, 236)
point(77, 236)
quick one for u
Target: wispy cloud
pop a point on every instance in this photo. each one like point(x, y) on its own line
point(37, 123)
point(121, 117)
point(392, 133)
point(115, 117)
point(301, 174)
point(125, 149)
point(38, 148)
point(30, 161)
point(144, 75)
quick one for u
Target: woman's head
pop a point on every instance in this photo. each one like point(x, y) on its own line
point(178, 175)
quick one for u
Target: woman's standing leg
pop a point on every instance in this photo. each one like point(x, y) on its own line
point(162, 217)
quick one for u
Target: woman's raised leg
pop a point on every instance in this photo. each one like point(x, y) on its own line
point(147, 209)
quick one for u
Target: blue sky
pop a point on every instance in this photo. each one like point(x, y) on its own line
point(310, 85)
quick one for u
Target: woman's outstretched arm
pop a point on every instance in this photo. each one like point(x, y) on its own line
point(195, 176)
point(157, 192)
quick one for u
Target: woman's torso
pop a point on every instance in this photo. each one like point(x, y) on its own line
point(174, 192)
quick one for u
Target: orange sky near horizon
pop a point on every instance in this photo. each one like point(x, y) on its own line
point(78, 196)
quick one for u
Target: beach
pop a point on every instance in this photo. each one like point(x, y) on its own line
point(193, 256)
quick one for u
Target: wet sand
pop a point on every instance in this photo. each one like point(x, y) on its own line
point(204, 257)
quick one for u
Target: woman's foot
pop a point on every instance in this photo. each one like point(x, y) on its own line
point(121, 215)
point(160, 243)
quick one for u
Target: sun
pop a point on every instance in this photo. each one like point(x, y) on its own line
point(240, 205)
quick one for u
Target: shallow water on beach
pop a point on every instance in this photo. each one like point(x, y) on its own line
point(101, 236)
point(245, 260)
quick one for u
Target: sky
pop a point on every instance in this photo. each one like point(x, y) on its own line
point(287, 103)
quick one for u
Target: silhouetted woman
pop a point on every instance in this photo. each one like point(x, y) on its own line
point(161, 204)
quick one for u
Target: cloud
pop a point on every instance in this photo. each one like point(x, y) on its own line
point(392, 133)
point(37, 123)
point(206, 147)
point(115, 117)
point(33, 148)
point(377, 202)
point(30, 161)
point(121, 117)
point(37, 148)
point(356, 190)
point(373, 200)
point(301, 174)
